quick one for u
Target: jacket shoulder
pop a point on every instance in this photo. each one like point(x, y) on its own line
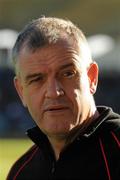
point(113, 125)
point(110, 147)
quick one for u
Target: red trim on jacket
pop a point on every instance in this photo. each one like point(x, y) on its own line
point(26, 162)
point(105, 159)
point(116, 139)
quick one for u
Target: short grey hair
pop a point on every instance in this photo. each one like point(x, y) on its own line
point(45, 31)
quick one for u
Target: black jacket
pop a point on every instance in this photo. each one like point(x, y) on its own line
point(94, 155)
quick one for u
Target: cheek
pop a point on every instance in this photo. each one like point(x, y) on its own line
point(33, 102)
point(79, 93)
point(32, 95)
point(76, 99)
point(85, 86)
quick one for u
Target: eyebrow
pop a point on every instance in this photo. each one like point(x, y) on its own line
point(30, 76)
point(66, 66)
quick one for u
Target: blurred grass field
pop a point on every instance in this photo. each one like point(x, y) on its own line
point(10, 151)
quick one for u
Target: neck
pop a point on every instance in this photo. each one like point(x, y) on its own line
point(57, 144)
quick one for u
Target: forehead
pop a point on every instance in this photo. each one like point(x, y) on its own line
point(50, 56)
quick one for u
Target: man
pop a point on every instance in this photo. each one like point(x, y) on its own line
point(56, 80)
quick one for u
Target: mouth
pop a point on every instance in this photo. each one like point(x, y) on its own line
point(56, 109)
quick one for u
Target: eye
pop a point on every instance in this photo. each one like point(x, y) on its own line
point(69, 74)
point(36, 79)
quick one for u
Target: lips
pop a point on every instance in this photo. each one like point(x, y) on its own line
point(55, 108)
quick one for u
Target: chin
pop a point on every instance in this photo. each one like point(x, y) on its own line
point(56, 133)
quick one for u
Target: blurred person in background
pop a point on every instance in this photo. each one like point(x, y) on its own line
point(56, 79)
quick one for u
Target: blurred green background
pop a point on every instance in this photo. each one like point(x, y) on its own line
point(99, 20)
point(93, 16)
point(10, 151)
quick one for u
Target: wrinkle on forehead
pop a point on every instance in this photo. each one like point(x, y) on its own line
point(59, 51)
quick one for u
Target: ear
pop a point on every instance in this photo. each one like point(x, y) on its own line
point(93, 77)
point(19, 88)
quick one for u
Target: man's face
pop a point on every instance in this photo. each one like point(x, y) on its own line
point(43, 74)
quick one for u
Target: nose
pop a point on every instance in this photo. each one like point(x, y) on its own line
point(54, 89)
